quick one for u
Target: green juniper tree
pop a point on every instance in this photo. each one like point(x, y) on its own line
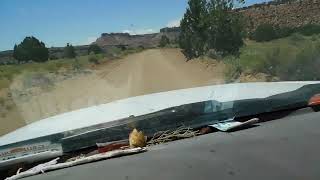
point(31, 49)
point(211, 24)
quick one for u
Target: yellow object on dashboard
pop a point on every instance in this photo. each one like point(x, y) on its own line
point(137, 139)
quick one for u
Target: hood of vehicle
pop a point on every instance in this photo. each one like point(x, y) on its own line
point(141, 105)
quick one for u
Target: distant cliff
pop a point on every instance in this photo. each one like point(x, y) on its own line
point(289, 14)
point(106, 41)
point(146, 40)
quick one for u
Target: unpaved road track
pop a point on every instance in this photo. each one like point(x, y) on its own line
point(163, 70)
point(150, 71)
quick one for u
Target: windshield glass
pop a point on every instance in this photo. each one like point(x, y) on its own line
point(66, 65)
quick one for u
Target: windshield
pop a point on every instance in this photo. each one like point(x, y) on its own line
point(66, 65)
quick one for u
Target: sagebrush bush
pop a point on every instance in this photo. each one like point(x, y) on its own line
point(95, 49)
point(251, 62)
point(271, 63)
point(284, 31)
point(233, 69)
point(305, 66)
point(268, 32)
point(308, 29)
point(265, 32)
point(164, 41)
point(296, 58)
point(93, 58)
point(296, 37)
point(314, 37)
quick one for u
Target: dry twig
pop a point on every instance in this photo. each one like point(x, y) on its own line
point(166, 136)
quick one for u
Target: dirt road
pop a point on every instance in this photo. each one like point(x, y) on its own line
point(160, 70)
point(150, 71)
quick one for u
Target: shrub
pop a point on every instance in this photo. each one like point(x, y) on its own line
point(296, 39)
point(141, 47)
point(164, 41)
point(305, 66)
point(76, 65)
point(113, 52)
point(123, 47)
point(53, 57)
point(252, 63)
point(233, 69)
point(100, 56)
point(31, 49)
point(265, 32)
point(93, 58)
point(293, 58)
point(95, 49)
point(271, 62)
point(314, 37)
point(69, 51)
point(309, 29)
point(284, 31)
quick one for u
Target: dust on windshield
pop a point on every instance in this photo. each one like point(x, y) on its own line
point(55, 59)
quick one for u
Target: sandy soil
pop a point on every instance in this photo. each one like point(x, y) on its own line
point(150, 71)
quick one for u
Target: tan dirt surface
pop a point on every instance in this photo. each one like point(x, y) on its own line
point(150, 71)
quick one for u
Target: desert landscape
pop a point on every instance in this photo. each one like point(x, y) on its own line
point(149, 71)
point(276, 41)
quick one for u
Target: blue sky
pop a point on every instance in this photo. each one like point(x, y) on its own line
point(57, 22)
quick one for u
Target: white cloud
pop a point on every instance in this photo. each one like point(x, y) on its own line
point(139, 31)
point(86, 41)
point(174, 23)
point(127, 31)
point(91, 39)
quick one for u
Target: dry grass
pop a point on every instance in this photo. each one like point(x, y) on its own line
point(171, 135)
point(280, 58)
